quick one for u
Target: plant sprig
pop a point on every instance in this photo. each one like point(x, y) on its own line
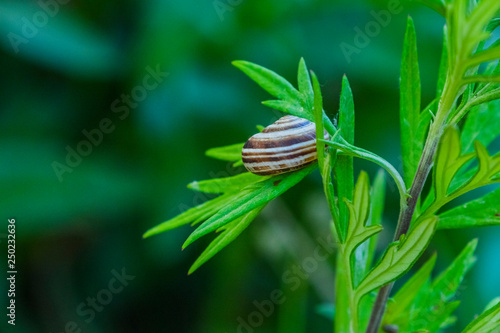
point(431, 141)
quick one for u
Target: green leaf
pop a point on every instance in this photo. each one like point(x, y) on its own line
point(446, 284)
point(398, 310)
point(305, 85)
point(486, 322)
point(270, 81)
point(231, 153)
point(490, 54)
point(489, 168)
point(343, 169)
point(227, 184)
point(494, 23)
point(482, 125)
point(288, 107)
point(229, 233)
point(481, 212)
point(442, 319)
point(399, 257)
point(377, 196)
point(448, 161)
point(249, 198)
point(443, 66)
point(433, 309)
point(324, 158)
point(358, 232)
point(410, 105)
point(192, 215)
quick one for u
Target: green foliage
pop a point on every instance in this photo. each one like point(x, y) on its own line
point(248, 199)
point(273, 84)
point(410, 105)
point(403, 301)
point(229, 232)
point(433, 303)
point(448, 186)
point(481, 125)
point(422, 304)
point(448, 161)
point(344, 169)
point(325, 158)
point(399, 257)
point(482, 212)
point(358, 231)
point(351, 150)
point(488, 321)
point(290, 100)
point(226, 185)
point(231, 153)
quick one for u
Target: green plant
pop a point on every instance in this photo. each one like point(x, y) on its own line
point(436, 139)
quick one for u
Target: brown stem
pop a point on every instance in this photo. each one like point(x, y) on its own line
point(450, 94)
point(406, 215)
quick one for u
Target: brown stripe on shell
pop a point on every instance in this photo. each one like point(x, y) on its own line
point(280, 125)
point(286, 145)
point(248, 159)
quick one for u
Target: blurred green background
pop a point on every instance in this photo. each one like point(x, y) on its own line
point(66, 66)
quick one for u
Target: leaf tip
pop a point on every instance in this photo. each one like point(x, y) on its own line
point(149, 233)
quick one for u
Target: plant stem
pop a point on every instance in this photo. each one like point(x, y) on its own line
point(450, 92)
point(346, 299)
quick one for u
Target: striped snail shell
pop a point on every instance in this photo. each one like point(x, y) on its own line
point(286, 145)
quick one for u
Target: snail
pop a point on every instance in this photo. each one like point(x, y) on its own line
point(286, 145)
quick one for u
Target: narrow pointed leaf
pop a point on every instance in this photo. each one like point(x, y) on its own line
point(358, 232)
point(397, 310)
point(271, 82)
point(447, 283)
point(227, 184)
point(305, 85)
point(377, 196)
point(344, 169)
point(324, 158)
point(481, 212)
point(231, 153)
point(399, 257)
point(248, 199)
point(410, 105)
point(192, 215)
point(434, 307)
point(288, 107)
point(443, 66)
point(482, 125)
point(229, 233)
point(448, 161)
point(441, 318)
point(487, 322)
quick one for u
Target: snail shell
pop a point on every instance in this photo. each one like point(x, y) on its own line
point(286, 145)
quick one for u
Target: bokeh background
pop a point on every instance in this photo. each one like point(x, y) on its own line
point(74, 230)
